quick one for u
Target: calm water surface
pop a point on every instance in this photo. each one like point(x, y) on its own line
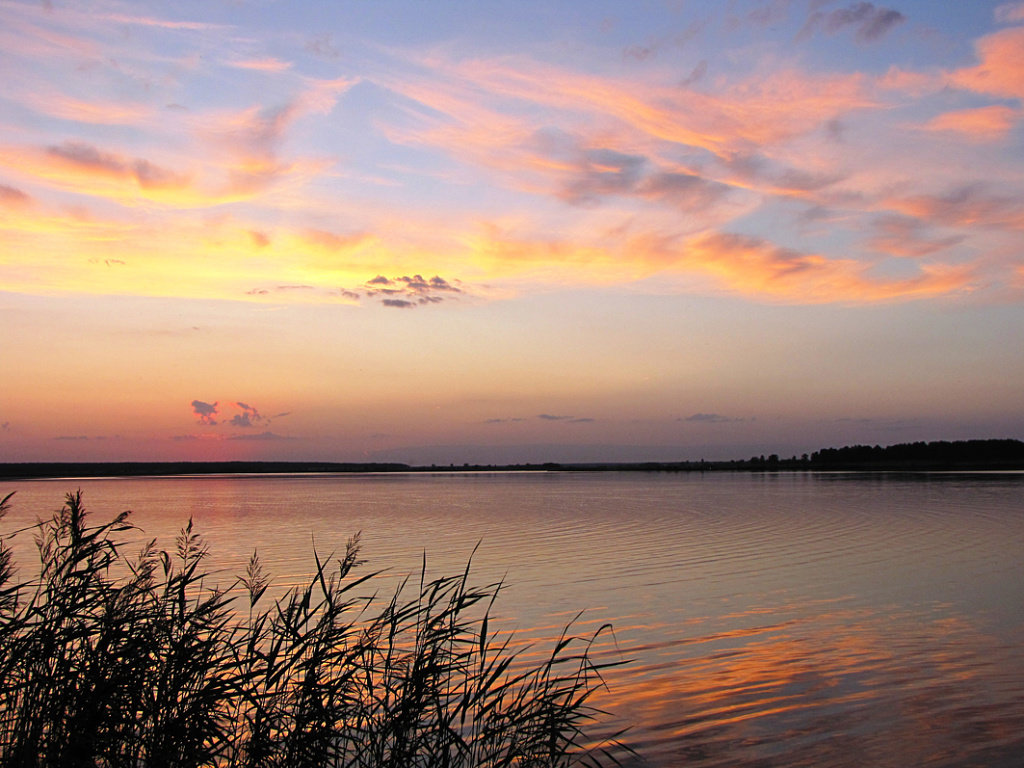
point(825, 620)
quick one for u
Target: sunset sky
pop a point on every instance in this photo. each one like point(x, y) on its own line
point(442, 232)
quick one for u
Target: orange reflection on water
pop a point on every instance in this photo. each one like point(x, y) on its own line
point(847, 687)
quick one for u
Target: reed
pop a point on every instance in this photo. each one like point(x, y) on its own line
point(111, 660)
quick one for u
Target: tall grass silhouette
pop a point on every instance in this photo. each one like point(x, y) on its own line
point(111, 660)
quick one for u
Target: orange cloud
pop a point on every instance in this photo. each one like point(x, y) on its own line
point(85, 159)
point(722, 693)
point(86, 169)
point(501, 253)
point(983, 124)
point(753, 266)
point(747, 265)
point(1001, 71)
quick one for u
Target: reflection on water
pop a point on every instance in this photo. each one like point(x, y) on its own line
point(841, 688)
point(770, 620)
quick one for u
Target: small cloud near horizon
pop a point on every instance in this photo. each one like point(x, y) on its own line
point(266, 435)
point(247, 418)
point(567, 419)
point(710, 418)
point(204, 412)
point(87, 437)
point(262, 436)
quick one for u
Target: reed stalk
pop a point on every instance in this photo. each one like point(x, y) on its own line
point(110, 660)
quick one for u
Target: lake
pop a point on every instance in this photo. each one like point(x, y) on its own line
point(804, 619)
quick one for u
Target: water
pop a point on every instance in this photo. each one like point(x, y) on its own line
point(825, 620)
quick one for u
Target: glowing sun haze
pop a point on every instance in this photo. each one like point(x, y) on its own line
point(506, 232)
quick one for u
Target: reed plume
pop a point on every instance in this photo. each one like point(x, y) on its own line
point(110, 660)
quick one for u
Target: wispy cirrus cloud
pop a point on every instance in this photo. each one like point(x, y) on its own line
point(93, 111)
point(906, 236)
point(85, 159)
point(94, 172)
point(756, 267)
point(13, 196)
point(268, 64)
point(671, 162)
point(162, 23)
point(587, 175)
point(485, 109)
point(246, 146)
point(971, 205)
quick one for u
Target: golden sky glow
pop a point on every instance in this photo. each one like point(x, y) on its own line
point(507, 231)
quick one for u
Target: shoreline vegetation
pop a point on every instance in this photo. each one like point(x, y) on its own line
point(137, 660)
point(961, 455)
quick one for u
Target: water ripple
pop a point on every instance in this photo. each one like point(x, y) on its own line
point(772, 620)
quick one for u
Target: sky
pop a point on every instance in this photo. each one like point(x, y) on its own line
point(505, 232)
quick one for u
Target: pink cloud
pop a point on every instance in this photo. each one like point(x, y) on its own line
point(488, 107)
point(11, 196)
point(95, 112)
point(982, 124)
point(85, 158)
point(246, 144)
point(21, 35)
point(1001, 71)
point(269, 64)
point(971, 205)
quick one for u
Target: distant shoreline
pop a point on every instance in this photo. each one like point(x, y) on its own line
point(965, 455)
